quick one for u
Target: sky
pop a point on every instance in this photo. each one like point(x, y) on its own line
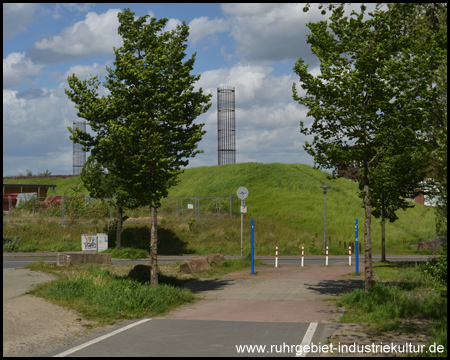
point(251, 47)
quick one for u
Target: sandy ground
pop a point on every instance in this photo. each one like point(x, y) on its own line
point(33, 326)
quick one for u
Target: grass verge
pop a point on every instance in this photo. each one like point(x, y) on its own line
point(405, 292)
point(105, 293)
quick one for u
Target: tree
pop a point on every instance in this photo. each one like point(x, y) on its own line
point(145, 124)
point(435, 20)
point(398, 177)
point(372, 95)
point(104, 185)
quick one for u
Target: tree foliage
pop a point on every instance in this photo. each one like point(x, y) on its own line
point(373, 93)
point(144, 125)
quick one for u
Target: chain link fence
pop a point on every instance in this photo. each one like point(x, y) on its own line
point(65, 210)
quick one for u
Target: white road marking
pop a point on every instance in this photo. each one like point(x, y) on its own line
point(308, 337)
point(79, 347)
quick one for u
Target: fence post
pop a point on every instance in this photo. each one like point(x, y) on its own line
point(10, 210)
point(63, 211)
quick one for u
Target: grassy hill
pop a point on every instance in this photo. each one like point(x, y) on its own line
point(287, 205)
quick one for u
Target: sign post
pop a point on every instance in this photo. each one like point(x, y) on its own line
point(252, 249)
point(356, 246)
point(242, 193)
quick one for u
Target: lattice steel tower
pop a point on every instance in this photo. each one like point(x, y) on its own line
point(226, 121)
point(79, 156)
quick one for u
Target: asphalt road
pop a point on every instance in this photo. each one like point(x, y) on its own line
point(19, 260)
point(207, 330)
point(199, 338)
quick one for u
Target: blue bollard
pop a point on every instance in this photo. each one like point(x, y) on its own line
point(356, 246)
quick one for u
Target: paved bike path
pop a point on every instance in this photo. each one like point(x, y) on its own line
point(275, 308)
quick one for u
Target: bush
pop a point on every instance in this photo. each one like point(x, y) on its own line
point(436, 269)
point(11, 244)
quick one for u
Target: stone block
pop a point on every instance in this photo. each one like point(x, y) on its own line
point(217, 259)
point(82, 257)
point(194, 265)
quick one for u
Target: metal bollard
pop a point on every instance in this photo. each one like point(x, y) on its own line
point(276, 256)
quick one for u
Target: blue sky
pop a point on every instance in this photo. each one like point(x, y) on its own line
point(252, 47)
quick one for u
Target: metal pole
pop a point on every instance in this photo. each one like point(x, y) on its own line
point(242, 224)
point(356, 246)
point(324, 217)
point(62, 210)
point(276, 256)
point(10, 210)
point(252, 249)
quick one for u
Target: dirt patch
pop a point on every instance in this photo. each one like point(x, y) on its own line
point(33, 326)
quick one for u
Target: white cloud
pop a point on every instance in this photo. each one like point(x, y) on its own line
point(267, 119)
point(202, 27)
point(95, 35)
point(86, 71)
point(18, 69)
point(269, 32)
point(39, 125)
point(172, 24)
point(17, 18)
point(274, 32)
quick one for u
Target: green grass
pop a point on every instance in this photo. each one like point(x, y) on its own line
point(106, 294)
point(412, 292)
point(285, 201)
point(99, 294)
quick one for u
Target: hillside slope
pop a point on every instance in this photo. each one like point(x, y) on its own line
point(287, 205)
point(290, 194)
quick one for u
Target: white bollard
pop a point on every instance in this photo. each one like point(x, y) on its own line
point(350, 255)
point(276, 256)
point(326, 258)
point(303, 254)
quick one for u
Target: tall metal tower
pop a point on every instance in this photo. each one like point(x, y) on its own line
point(79, 156)
point(226, 122)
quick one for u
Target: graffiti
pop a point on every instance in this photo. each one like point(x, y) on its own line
point(90, 243)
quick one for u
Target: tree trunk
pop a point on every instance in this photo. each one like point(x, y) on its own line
point(119, 227)
point(153, 249)
point(367, 241)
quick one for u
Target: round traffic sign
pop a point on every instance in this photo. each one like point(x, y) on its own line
point(242, 192)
